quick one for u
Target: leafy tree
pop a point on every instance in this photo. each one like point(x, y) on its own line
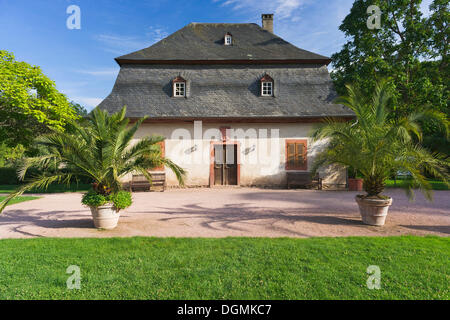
point(377, 146)
point(30, 104)
point(409, 49)
point(79, 109)
point(100, 149)
point(9, 156)
point(439, 33)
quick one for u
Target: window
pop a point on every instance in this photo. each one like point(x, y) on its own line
point(296, 155)
point(228, 39)
point(266, 86)
point(266, 89)
point(179, 87)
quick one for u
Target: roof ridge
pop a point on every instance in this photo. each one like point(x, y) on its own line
point(219, 23)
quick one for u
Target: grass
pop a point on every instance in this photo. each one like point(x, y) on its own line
point(228, 268)
point(18, 199)
point(436, 184)
point(53, 188)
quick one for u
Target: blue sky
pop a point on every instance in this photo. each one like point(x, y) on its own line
point(81, 62)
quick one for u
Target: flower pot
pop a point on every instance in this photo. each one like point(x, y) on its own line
point(355, 184)
point(373, 211)
point(105, 217)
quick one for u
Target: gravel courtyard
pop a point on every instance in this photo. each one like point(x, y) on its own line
point(226, 212)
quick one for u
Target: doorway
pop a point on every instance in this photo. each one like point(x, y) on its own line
point(225, 164)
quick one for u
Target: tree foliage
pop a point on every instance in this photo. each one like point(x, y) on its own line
point(410, 49)
point(378, 146)
point(99, 148)
point(30, 104)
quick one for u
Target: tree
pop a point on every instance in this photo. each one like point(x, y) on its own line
point(10, 155)
point(378, 146)
point(409, 49)
point(439, 32)
point(100, 149)
point(79, 109)
point(30, 104)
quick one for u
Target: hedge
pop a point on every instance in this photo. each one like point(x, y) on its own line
point(8, 175)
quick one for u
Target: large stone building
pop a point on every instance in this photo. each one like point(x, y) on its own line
point(238, 92)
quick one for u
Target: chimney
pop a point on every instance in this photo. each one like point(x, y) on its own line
point(267, 21)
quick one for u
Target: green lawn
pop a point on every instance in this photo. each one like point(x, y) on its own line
point(230, 268)
point(18, 199)
point(56, 188)
point(436, 184)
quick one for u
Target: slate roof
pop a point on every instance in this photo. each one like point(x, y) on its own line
point(224, 92)
point(205, 42)
point(228, 88)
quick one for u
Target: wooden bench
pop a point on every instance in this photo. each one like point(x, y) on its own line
point(139, 182)
point(303, 180)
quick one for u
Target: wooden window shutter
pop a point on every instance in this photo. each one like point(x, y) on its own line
point(291, 154)
point(296, 155)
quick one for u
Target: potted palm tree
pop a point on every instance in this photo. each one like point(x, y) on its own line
point(376, 145)
point(98, 148)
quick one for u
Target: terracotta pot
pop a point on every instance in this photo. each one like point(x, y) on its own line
point(355, 184)
point(373, 211)
point(105, 217)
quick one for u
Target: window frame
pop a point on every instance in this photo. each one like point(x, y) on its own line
point(180, 84)
point(296, 166)
point(228, 37)
point(262, 88)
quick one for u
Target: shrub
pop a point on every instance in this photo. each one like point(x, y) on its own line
point(120, 200)
point(8, 175)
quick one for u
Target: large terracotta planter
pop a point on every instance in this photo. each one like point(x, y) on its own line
point(373, 211)
point(355, 184)
point(105, 217)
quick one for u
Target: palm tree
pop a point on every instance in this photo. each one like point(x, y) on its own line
point(98, 148)
point(377, 146)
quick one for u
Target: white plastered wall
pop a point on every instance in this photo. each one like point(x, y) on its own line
point(261, 151)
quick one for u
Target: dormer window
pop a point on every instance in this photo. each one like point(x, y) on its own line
point(266, 86)
point(228, 39)
point(179, 87)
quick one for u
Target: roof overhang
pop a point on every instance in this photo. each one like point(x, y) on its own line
point(267, 119)
point(222, 62)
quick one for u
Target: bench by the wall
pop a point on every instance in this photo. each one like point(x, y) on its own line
point(139, 182)
point(303, 180)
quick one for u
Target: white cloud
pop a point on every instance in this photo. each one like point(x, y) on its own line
point(281, 8)
point(88, 102)
point(100, 72)
point(156, 34)
point(119, 44)
point(124, 44)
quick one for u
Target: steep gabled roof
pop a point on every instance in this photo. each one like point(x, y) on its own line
point(203, 43)
point(225, 92)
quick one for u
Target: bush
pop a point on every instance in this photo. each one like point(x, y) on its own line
point(8, 175)
point(120, 200)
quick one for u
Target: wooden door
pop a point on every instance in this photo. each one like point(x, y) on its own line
point(225, 164)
